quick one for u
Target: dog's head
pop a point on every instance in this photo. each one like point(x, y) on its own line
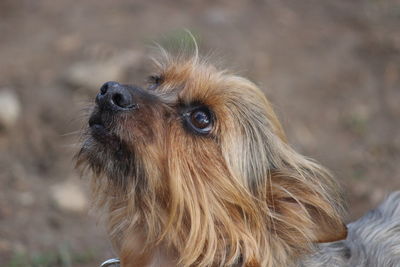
point(198, 161)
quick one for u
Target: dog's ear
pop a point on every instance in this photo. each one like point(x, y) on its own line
point(306, 208)
point(328, 229)
point(306, 193)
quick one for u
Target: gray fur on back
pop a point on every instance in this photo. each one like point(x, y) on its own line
point(372, 241)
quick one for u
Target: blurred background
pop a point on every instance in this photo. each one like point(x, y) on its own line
point(331, 68)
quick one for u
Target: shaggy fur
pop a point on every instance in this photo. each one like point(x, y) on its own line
point(373, 240)
point(237, 196)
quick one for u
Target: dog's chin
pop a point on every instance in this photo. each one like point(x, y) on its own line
point(105, 153)
point(101, 133)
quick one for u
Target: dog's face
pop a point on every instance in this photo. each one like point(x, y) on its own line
point(199, 162)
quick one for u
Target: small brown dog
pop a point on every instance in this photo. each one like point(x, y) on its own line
point(195, 170)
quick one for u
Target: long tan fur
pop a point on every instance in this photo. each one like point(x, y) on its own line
point(238, 197)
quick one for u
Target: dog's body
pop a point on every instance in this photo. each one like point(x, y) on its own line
point(373, 240)
point(195, 170)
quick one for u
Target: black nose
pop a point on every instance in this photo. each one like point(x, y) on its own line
point(115, 96)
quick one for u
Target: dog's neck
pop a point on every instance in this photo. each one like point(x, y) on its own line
point(160, 255)
point(131, 253)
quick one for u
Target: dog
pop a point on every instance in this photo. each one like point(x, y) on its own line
point(196, 170)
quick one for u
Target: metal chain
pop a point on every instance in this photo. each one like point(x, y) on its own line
point(111, 263)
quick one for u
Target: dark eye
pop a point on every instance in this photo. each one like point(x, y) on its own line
point(200, 120)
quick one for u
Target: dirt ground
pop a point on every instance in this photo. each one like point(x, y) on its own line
point(331, 68)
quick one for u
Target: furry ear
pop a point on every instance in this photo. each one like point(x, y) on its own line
point(306, 206)
point(302, 197)
point(327, 229)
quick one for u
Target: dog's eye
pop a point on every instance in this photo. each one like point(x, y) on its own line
point(200, 120)
point(154, 81)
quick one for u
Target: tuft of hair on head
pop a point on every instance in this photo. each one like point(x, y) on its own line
point(179, 45)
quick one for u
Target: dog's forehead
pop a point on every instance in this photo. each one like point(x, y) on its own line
point(199, 83)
